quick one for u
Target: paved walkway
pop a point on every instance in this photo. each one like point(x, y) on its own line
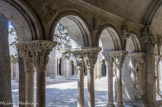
point(63, 93)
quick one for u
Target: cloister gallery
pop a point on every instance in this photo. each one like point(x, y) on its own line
point(118, 41)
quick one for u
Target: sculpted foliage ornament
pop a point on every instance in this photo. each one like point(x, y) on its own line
point(108, 56)
point(78, 54)
point(90, 56)
point(37, 50)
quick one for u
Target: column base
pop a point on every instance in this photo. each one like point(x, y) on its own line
point(119, 105)
point(137, 104)
point(110, 105)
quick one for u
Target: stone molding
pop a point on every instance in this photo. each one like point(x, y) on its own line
point(38, 50)
point(104, 12)
point(138, 54)
point(115, 53)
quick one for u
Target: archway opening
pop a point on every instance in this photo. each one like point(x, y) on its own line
point(25, 26)
point(70, 33)
point(133, 69)
point(109, 41)
point(133, 44)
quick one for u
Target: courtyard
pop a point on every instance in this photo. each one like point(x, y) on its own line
point(63, 92)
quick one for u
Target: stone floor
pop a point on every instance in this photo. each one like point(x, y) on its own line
point(63, 92)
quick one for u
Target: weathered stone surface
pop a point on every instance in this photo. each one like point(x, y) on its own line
point(5, 72)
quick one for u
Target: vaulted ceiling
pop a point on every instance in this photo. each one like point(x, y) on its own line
point(146, 12)
point(133, 10)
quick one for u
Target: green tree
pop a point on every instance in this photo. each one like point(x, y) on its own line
point(63, 41)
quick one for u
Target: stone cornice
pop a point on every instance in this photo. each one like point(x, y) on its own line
point(86, 50)
point(104, 12)
point(93, 50)
point(36, 44)
point(140, 54)
point(114, 53)
point(77, 51)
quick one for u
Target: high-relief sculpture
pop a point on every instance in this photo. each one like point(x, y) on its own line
point(148, 37)
point(159, 40)
point(159, 43)
point(139, 79)
point(125, 32)
point(145, 34)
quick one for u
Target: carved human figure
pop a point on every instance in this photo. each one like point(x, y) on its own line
point(125, 32)
point(139, 90)
point(139, 70)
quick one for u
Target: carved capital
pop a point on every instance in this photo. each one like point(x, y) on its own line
point(109, 58)
point(23, 50)
point(90, 56)
point(119, 57)
point(38, 50)
point(78, 54)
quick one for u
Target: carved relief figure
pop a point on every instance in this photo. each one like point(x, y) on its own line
point(139, 79)
point(125, 32)
point(139, 69)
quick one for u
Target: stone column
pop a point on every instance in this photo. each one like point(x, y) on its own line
point(40, 51)
point(109, 64)
point(80, 68)
point(157, 61)
point(118, 60)
point(29, 73)
point(149, 44)
point(90, 58)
